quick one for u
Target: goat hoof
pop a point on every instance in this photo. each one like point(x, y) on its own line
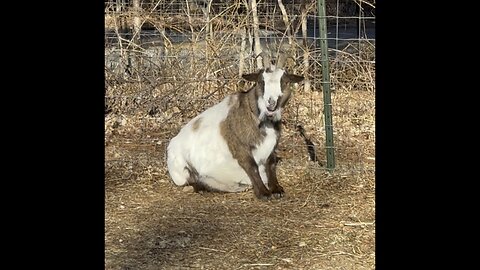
point(277, 192)
point(263, 197)
point(278, 195)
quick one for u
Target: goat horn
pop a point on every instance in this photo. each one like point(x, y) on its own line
point(267, 61)
point(282, 59)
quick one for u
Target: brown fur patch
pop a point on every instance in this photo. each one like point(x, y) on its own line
point(243, 131)
point(196, 124)
point(242, 117)
point(231, 100)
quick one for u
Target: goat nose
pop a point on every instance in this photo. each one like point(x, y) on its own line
point(271, 104)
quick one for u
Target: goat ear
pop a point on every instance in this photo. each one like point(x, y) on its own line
point(294, 78)
point(252, 77)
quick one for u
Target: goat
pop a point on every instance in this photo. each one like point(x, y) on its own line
point(230, 147)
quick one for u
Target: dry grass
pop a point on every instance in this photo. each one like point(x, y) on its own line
point(326, 220)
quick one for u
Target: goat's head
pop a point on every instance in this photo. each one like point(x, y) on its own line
point(272, 87)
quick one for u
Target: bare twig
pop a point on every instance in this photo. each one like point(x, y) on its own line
point(286, 21)
point(256, 32)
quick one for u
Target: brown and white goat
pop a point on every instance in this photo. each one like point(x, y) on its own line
point(231, 146)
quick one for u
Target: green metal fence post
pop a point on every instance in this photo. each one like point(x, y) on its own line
point(327, 102)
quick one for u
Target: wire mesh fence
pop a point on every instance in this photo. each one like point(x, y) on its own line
point(166, 61)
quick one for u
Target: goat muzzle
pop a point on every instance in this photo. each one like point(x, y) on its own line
point(271, 104)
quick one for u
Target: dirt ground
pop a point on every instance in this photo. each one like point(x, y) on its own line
point(325, 221)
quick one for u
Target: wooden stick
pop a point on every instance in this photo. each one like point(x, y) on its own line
point(256, 33)
point(286, 21)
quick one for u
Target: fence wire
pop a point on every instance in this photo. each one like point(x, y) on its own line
point(166, 61)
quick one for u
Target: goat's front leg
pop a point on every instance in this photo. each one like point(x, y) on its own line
point(271, 170)
point(251, 168)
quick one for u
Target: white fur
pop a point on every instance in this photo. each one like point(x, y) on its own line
point(263, 175)
point(207, 151)
point(264, 149)
point(272, 84)
point(272, 90)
